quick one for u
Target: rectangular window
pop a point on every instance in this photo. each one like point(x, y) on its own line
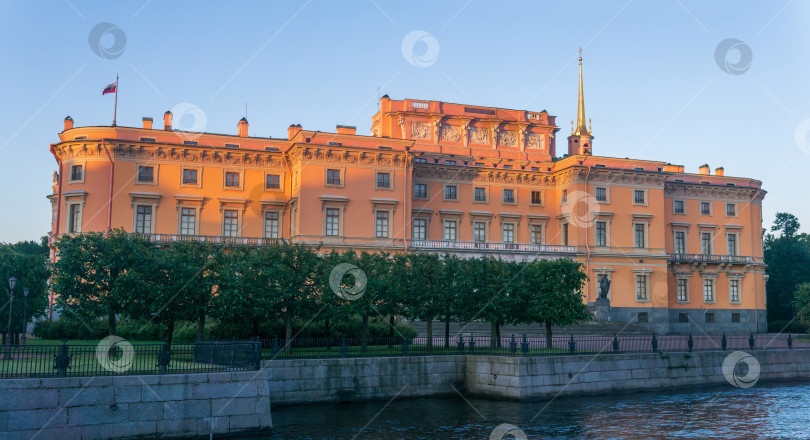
point(272, 181)
point(421, 160)
point(190, 143)
point(508, 233)
point(641, 287)
point(638, 197)
point(682, 289)
point(419, 190)
point(76, 172)
point(735, 317)
point(708, 290)
point(601, 194)
point(509, 196)
point(231, 146)
point(188, 221)
point(146, 174)
point(230, 224)
point(232, 179)
point(601, 234)
point(710, 318)
point(383, 180)
point(271, 224)
point(734, 290)
point(680, 242)
point(450, 230)
point(420, 229)
point(683, 317)
point(74, 219)
point(643, 317)
point(450, 192)
point(479, 232)
point(706, 243)
point(639, 238)
point(381, 224)
point(564, 234)
point(731, 209)
point(480, 194)
point(677, 207)
point(536, 234)
point(705, 208)
point(189, 177)
point(507, 167)
point(449, 162)
point(333, 177)
point(731, 242)
point(143, 219)
point(332, 222)
point(537, 198)
point(478, 164)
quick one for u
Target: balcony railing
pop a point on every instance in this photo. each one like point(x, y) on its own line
point(485, 246)
point(246, 241)
point(705, 258)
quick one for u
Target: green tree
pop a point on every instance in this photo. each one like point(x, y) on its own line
point(488, 286)
point(90, 277)
point(787, 255)
point(801, 302)
point(297, 278)
point(550, 293)
point(28, 262)
point(421, 289)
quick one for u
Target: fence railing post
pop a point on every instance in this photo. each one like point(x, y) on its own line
point(524, 346)
point(461, 345)
point(751, 341)
point(615, 343)
point(790, 341)
point(344, 347)
point(164, 358)
point(572, 345)
point(404, 346)
point(654, 343)
point(276, 349)
point(512, 346)
point(724, 342)
point(690, 342)
point(472, 345)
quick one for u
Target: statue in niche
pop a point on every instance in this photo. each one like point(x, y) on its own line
point(604, 286)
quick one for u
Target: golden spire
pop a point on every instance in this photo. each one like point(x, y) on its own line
point(582, 129)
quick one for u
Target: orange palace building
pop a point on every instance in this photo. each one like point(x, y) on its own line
point(682, 251)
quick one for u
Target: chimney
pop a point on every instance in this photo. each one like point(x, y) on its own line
point(68, 123)
point(293, 130)
point(704, 169)
point(720, 171)
point(242, 127)
point(167, 121)
point(346, 129)
point(147, 123)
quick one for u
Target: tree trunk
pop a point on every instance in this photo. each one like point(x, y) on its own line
point(493, 333)
point(498, 333)
point(548, 336)
point(364, 335)
point(255, 327)
point(328, 332)
point(111, 325)
point(430, 334)
point(170, 332)
point(391, 325)
point(201, 328)
point(447, 330)
point(288, 332)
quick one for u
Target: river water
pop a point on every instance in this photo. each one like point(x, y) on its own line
point(775, 410)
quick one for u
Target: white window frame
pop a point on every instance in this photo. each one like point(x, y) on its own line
point(509, 226)
point(711, 242)
point(596, 232)
point(390, 180)
point(342, 177)
point(736, 209)
point(514, 196)
point(426, 228)
point(645, 274)
point(712, 280)
point(736, 236)
point(445, 223)
point(77, 228)
point(646, 226)
point(739, 281)
point(486, 194)
point(183, 183)
point(196, 211)
point(542, 236)
point(444, 193)
point(607, 194)
point(238, 231)
point(646, 200)
point(281, 178)
point(683, 204)
point(542, 197)
point(83, 166)
point(427, 190)
point(240, 173)
point(711, 207)
point(685, 233)
point(685, 280)
point(278, 220)
point(155, 171)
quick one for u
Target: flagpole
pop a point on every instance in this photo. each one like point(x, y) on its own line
point(115, 111)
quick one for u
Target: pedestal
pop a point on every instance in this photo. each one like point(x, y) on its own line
point(601, 309)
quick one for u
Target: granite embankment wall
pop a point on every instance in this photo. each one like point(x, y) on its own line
point(187, 405)
point(174, 405)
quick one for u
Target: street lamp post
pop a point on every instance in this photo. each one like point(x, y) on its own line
point(25, 314)
point(11, 283)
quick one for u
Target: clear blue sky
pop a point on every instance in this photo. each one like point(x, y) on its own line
point(653, 87)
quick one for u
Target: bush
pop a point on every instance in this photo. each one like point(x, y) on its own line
point(784, 326)
point(71, 329)
point(377, 327)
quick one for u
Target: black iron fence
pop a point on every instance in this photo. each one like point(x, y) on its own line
point(65, 360)
point(516, 345)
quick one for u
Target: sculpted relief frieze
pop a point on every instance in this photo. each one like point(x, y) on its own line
point(507, 139)
point(535, 140)
point(479, 136)
point(420, 130)
point(450, 133)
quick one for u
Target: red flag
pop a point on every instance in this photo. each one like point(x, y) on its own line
point(110, 88)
